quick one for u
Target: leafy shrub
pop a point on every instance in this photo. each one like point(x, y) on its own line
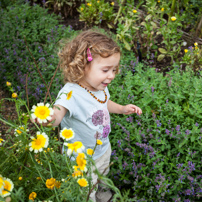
point(97, 12)
point(42, 33)
point(158, 153)
point(192, 58)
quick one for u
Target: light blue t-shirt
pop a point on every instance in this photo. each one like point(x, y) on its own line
point(88, 118)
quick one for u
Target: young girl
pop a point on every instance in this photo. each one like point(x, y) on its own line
point(89, 63)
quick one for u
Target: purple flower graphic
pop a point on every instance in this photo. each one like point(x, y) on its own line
point(106, 131)
point(97, 118)
point(106, 118)
point(97, 135)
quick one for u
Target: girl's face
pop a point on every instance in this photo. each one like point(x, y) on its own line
point(100, 72)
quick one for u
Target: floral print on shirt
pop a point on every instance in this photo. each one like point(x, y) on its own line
point(101, 118)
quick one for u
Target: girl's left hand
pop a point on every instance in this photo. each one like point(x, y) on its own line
point(130, 109)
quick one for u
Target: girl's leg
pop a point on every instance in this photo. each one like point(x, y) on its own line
point(104, 194)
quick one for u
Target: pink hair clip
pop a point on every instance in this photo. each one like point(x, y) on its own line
point(89, 58)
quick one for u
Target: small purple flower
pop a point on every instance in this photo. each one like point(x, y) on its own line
point(158, 123)
point(152, 89)
point(177, 127)
point(167, 131)
point(187, 132)
point(196, 124)
point(97, 118)
point(170, 82)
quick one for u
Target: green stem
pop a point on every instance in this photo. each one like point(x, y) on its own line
point(172, 9)
point(37, 169)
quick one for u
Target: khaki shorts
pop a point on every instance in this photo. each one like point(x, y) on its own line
point(101, 163)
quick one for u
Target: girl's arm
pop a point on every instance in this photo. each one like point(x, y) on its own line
point(120, 109)
point(59, 113)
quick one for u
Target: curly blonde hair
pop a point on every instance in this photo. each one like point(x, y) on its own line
point(73, 56)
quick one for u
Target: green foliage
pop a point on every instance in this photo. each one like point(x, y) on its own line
point(42, 34)
point(193, 58)
point(128, 25)
point(96, 12)
point(157, 153)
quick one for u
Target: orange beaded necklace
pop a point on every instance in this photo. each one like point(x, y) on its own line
point(102, 102)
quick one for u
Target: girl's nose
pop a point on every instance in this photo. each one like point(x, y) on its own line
point(111, 75)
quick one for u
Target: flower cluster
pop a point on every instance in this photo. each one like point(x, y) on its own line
point(52, 182)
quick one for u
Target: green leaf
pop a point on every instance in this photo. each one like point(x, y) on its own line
point(127, 45)
point(160, 57)
point(162, 50)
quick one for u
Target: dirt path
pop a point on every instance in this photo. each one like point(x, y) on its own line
point(7, 111)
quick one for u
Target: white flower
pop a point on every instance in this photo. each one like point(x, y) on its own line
point(8, 185)
point(184, 43)
point(42, 112)
point(67, 134)
point(39, 143)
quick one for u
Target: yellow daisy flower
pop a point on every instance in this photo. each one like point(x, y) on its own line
point(20, 178)
point(69, 95)
point(2, 184)
point(67, 134)
point(81, 9)
point(38, 178)
point(1, 141)
point(158, 1)
point(8, 83)
point(89, 4)
point(99, 142)
point(76, 146)
point(195, 44)
point(82, 182)
point(98, 1)
point(19, 130)
point(81, 161)
point(38, 143)
point(42, 112)
point(50, 183)
point(134, 11)
point(76, 172)
point(185, 50)
point(90, 152)
point(112, 3)
point(173, 18)
point(162, 9)
point(14, 95)
point(8, 186)
point(32, 196)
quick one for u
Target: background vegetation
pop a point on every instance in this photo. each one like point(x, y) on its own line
point(156, 156)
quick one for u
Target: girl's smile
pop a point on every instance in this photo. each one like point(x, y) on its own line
point(100, 72)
